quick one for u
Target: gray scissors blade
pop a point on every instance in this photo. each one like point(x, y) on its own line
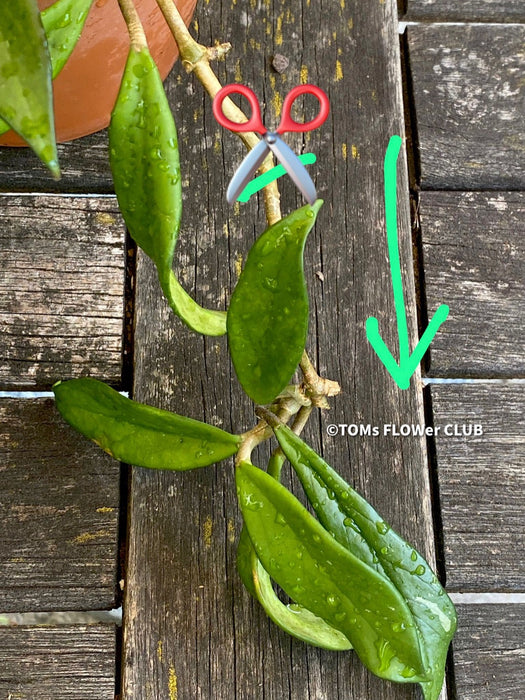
point(245, 171)
point(294, 168)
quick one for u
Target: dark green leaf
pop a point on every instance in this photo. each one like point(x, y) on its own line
point(144, 159)
point(245, 550)
point(138, 434)
point(26, 97)
point(268, 314)
point(244, 561)
point(293, 619)
point(327, 579)
point(357, 526)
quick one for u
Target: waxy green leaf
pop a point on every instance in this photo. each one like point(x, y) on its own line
point(293, 618)
point(268, 314)
point(199, 319)
point(245, 550)
point(137, 434)
point(63, 23)
point(144, 158)
point(325, 578)
point(244, 561)
point(26, 96)
point(357, 526)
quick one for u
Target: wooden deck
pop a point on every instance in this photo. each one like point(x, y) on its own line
point(79, 533)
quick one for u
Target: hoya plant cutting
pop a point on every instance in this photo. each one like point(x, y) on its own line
point(348, 581)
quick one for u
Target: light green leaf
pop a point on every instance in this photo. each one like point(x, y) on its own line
point(63, 23)
point(144, 158)
point(26, 97)
point(205, 321)
point(244, 561)
point(138, 434)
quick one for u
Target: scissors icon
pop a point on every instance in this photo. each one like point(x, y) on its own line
point(271, 141)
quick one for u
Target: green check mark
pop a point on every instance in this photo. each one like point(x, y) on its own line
point(262, 180)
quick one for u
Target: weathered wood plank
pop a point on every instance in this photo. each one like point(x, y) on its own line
point(59, 500)
point(489, 653)
point(466, 10)
point(474, 261)
point(187, 617)
point(58, 663)
point(468, 97)
point(84, 165)
point(61, 290)
point(481, 485)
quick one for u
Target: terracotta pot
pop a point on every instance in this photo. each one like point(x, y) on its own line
point(86, 89)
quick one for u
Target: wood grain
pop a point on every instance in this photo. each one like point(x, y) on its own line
point(58, 663)
point(84, 165)
point(466, 10)
point(187, 619)
point(489, 652)
point(61, 290)
point(474, 261)
point(481, 485)
point(59, 500)
point(468, 98)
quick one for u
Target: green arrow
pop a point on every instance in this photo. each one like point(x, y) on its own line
point(408, 363)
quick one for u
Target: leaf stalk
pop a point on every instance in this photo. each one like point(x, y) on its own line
point(137, 36)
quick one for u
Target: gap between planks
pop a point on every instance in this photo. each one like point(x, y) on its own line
point(426, 381)
point(60, 195)
point(57, 618)
point(402, 26)
point(114, 616)
point(38, 394)
point(497, 381)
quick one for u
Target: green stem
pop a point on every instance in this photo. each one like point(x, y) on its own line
point(196, 58)
point(278, 457)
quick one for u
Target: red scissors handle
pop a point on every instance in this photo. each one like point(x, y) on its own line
point(254, 123)
point(289, 124)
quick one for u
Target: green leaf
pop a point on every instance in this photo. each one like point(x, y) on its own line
point(26, 97)
point(327, 579)
point(244, 561)
point(268, 314)
point(295, 619)
point(357, 526)
point(144, 158)
point(138, 434)
point(205, 321)
point(63, 23)
point(245, 550)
